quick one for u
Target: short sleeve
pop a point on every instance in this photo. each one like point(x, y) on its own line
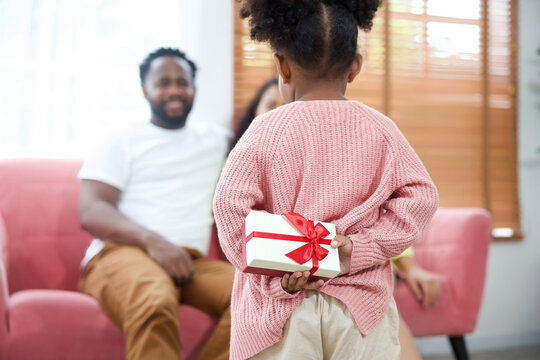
point(409, 252)
point(109, 163)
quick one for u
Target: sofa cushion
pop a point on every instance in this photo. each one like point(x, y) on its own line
point(60, 325)
point(69, 325)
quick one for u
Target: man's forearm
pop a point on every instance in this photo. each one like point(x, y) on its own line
point(104, 221)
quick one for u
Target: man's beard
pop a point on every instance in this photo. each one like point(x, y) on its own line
point(171, 121)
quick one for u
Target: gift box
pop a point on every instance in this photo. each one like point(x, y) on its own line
point(279, 244)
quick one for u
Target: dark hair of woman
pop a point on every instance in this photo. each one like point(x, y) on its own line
point(320, 36)
point(251, 110)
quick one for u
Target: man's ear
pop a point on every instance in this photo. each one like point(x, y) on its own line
point(145, 93)
point(355, 68)
point(282, 67)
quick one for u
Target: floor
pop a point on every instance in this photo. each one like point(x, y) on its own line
point(521, 353)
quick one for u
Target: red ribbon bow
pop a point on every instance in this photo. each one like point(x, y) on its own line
point(313, 234)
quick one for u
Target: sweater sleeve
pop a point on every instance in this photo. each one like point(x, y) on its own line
point(403, 216)
point(239, 190)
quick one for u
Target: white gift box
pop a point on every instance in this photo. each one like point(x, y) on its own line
point(269, 238)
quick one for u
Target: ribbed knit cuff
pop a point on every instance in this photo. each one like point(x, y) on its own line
point(363, 253)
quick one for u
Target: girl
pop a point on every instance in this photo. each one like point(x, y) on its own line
point(423, 284)
point(329, 159)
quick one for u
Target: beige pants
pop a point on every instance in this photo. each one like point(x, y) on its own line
point(323, 328)
point(142, 299)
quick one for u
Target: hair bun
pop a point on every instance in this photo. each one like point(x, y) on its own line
point(363, 10)
point(266, 18)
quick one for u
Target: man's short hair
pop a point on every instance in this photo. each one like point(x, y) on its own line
point(144, 67)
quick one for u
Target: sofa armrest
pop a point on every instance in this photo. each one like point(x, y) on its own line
point(214, 250)
point(455, 247)
point(4, 294)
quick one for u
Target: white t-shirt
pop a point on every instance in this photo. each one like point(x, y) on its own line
point(166, 178)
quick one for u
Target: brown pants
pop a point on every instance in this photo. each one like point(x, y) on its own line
point(142, 299)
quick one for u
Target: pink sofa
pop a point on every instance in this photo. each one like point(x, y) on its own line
point(43, 316)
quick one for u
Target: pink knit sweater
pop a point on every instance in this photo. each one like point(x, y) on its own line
point(334, 161)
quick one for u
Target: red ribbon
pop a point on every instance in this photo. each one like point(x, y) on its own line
point(312, 234)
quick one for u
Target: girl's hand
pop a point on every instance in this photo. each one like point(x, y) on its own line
point(344, 245)
point(298, 280)
point(424, 285)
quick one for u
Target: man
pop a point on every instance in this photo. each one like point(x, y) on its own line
point(146, 196)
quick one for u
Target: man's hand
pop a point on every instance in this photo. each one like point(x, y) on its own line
point(174, 259)
point(299, 280)
point(424, 285)
point(344, 245)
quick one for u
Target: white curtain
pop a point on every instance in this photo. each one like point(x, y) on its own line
point(69, 70)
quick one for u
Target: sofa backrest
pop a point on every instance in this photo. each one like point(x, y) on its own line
point(44, 242)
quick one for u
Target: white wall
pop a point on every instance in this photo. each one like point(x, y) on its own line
point(207, 35)
point(510, 314)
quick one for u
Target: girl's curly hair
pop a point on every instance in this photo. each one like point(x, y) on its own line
point(318, 35)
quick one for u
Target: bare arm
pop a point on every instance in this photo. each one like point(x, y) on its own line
point(424, 285)
point(99, 216)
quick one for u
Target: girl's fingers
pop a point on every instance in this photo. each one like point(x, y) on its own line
point(339, 240)
point(302, 280)
point(426, 294)
point(415, 289)
point(300, 284)
point(314, 285)
point(293, 281)
point(285, 282)
point(432, 291)
point(299, 280)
